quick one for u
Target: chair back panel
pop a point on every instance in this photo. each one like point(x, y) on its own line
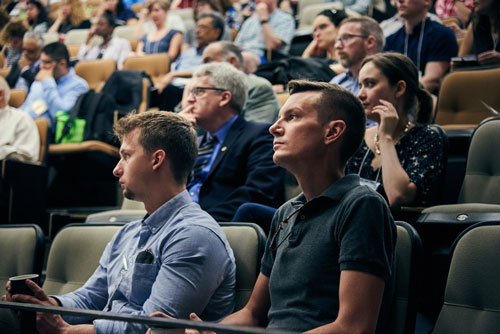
point(43, 130)
point(482, 175)
point(95, 72)
point(247, 241)
point(155, 65)
point(21, 247)
point(74, 256)
point(461, 94)
point(472, 296)
point(76, 36)
point(17, 97)
point(408, 253)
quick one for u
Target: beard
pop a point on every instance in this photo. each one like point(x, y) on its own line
point(128, 194)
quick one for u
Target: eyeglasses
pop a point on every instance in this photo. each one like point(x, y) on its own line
point(346, 37)
point(198, 91)
point(274, 246)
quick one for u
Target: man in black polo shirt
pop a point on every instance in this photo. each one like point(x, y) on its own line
point(329, 257)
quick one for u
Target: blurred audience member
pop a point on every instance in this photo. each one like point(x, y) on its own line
point(200, 7)
point(37, 17)
point(123, 16)
point(357, 38)
point(268, 29)
point(19, 138)
point(12, 37)
point(16, 8)
point(115, 48)
point(325, 34)
point(234, 163)
point(483, 34)
point(56, 85)
point(262, 104)
point(402, 155)
point(429, 44)
point(208, 29)
point(70, 16)
point(453, 8)
point(163, 39)
point(24, 71)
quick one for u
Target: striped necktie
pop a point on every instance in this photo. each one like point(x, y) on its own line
point(205, 152)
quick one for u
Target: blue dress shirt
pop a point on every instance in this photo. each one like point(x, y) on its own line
point(176, 261)
point(55, 95)
point(194, 190)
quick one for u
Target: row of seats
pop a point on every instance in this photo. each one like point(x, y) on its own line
point(75, 251)
point(471, 303)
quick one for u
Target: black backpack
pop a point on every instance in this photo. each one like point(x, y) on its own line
point(126, 88)
point(98, 110)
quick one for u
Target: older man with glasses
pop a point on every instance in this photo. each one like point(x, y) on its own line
point(235, 163)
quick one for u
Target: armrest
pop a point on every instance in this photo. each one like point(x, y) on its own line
point(85, 146)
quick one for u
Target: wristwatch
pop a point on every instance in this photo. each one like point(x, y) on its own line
point(264, 22)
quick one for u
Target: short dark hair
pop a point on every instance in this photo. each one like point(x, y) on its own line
point(42, 13)
point(217, 21)
point(110, 18)
point(337, 103)
point(57, 51)
point(334, 15)
point(13, 29)
point(165, 131)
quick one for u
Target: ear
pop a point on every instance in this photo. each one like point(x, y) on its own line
point(158, 159)
point(233, 61)
point(226, 98)
point(370, 42)
point(400, 88)
point(334, 130)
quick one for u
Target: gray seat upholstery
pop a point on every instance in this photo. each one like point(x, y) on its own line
point(482, 177)
point(130, 211)
point(21, 247)
point(247, 241)
point(472, 295)
point(408, 257)
point(74, 256)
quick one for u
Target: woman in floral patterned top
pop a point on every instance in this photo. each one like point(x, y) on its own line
point(402, 153)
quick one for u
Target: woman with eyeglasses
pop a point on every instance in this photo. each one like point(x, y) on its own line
point(402, 155)
point(325, 33)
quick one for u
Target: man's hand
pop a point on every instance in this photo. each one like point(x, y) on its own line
point(23, 62)
point(189, 115)
point(194, 317)
point(46, 323)
point(164, 82)
point(262, 11)
point(45, 74)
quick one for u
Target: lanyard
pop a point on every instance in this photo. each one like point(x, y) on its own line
point(420, 40)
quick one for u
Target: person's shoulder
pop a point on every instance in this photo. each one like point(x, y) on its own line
point(254, 81)
point(438, 30)
point(283, 15)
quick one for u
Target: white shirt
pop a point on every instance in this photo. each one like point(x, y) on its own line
point(117, 49)
point(18, 135)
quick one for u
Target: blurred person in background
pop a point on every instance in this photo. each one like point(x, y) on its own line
point(70, 16)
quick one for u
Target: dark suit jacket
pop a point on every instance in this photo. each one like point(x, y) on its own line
point(15, 73)
point(242, 172)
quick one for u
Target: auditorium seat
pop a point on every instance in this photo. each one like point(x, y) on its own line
point(95, 72)
point(472, 298)
point(465, 97)
point(308, 14)
point(247, 241)
point(76, 36)
point(74, 255)
point(17, 97)
point(22, 248)
point(155, 65)
point(129, 211)
point(408, 261)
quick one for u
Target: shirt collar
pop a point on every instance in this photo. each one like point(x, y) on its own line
point(65, 78)
point(224, 129)
point(418, 26)
point(164, 215)
point(334, 192)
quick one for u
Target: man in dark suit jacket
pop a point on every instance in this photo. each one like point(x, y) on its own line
point(235, 163)
point(24, 71)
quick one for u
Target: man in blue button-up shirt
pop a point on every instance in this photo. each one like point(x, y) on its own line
point(56, 86)
point(175, 260)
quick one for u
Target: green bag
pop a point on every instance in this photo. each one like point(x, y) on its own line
point(76, 131)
